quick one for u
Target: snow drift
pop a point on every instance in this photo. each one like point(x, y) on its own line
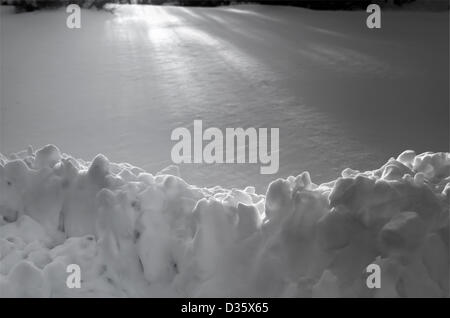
point(135, 234)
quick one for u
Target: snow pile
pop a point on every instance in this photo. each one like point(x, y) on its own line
point(137, 234)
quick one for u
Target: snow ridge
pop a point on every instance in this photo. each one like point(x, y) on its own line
point(135, 234)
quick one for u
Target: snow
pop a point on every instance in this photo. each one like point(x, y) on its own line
point(124, 81)
point(137, 234)
point(344, 97)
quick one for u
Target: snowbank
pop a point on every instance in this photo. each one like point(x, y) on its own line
point(138, 234)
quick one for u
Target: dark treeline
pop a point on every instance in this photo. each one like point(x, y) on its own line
point(313, 4)
point(30, 5)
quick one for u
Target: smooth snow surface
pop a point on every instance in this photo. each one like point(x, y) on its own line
point(137, 234)
point(341, 94)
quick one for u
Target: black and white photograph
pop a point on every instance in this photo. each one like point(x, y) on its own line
point(224, 149)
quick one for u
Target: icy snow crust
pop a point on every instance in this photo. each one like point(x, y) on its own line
point(135, 234)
